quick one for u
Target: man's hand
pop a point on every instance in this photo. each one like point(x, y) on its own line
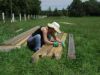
point(63, 43)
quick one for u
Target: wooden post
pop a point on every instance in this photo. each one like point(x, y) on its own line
point(28, 16)
point(25, 17)
point(3, 17)
point(20, 17)
point(13, 18)
point(8, 48)
point(31, 16)
point(71, 47)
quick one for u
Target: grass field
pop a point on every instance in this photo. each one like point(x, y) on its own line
point(87, 40)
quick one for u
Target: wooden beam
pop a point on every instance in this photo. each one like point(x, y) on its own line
point(8, 48)
point(43, 51)
point(71, 47)
point(21, 36)
point(17, 41)
point(57, 51)
point(23, 41)
point(68, 23)
point(50, 52)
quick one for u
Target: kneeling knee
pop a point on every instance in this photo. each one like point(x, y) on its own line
point(38, 36)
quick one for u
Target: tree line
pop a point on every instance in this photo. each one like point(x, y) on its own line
point(87, 8)
point(20, 6)
point(54, 12)
point(77, 8)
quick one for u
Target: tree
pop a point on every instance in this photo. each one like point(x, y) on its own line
point(91, 8)
point(36, 7)
point(64, 11)
point(57, 12)
point(4, 5)
point(49, 12)
point(20, 6)
point(76, 8)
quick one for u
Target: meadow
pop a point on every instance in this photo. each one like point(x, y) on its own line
point(86, 31)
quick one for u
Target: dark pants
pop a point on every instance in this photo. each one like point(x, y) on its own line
point(34, 42)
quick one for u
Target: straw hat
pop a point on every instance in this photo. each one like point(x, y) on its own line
point(55, 25)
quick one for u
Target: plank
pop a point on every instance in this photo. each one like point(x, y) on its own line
point(17, 41)
point(43, 51)
point(8, 48)
point(21, 36)
point(50, 52)
point(18, 30)
point(23, 41)
point(68, 23)
point(71, 47)
point(57, 51)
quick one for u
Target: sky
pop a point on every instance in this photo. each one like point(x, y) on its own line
point(59, 4)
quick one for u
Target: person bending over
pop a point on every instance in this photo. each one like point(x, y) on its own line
point(43, 36)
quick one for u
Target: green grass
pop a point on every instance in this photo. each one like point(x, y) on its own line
point(87, 40)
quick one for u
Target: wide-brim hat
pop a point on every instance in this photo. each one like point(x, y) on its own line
point(55, 25)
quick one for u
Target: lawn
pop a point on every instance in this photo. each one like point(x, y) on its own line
point(86, 32)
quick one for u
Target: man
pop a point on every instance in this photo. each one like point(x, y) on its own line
point(43, 36)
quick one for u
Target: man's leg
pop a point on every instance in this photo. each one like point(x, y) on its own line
point(37, 42)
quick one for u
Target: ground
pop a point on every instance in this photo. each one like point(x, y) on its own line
point(86, 32)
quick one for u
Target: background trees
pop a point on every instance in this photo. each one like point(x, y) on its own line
point(20, 6)
point(76, 8)
point(92, 8)
point(87, 8)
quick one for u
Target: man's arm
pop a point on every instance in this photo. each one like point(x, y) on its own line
point(44, 31)
point(56, 38)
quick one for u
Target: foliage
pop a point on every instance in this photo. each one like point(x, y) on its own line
point(87, 8)
point(75, 9)
point(54, 12)
point(20, 6)
point(92, 8)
